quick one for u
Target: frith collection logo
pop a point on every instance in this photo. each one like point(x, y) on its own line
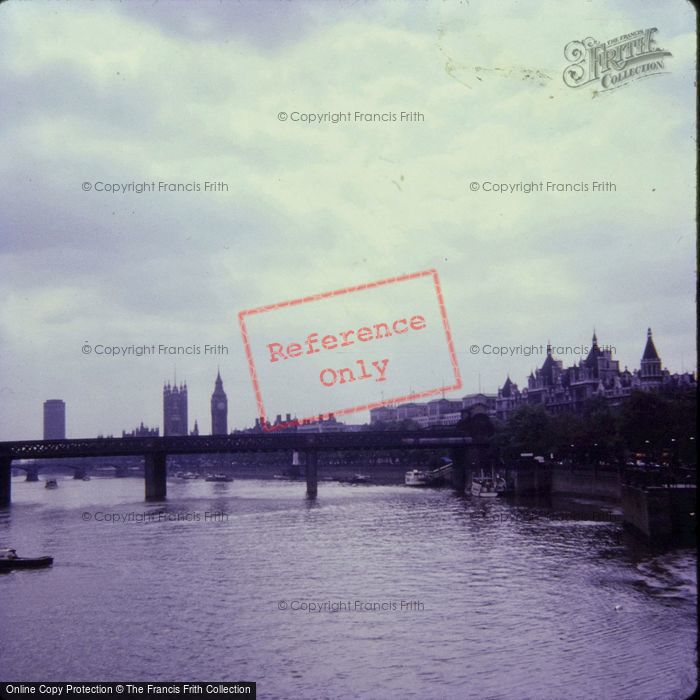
point(616, 62)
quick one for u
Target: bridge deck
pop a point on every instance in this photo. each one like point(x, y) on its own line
point(155, 451)
point(245, 442)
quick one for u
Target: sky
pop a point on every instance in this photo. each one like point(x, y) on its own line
point(117, 94)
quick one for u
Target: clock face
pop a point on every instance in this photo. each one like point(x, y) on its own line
point(221, 405)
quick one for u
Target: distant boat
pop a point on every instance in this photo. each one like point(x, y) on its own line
point(417, 478)
point(487, 486)
point(86, 477)
point(429, 477)
point(219, 477)
point(356, 479)
point(51, 484)
point(9, 560)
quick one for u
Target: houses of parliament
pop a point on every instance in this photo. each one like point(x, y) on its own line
point(175, 409)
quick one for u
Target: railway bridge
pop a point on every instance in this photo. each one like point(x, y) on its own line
point(155, 450)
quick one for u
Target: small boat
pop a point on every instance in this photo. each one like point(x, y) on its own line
point(417, 478)
point(487, 486)
point(9, 560)
point(86, 477)
point(219, 477)
point(51, 484)
point(356, 479)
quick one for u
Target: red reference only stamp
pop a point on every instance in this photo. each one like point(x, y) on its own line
point(350, 350)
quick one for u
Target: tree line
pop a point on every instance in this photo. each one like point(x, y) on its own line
point(650, 427)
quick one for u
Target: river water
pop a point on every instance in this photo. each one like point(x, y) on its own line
point(417, 593)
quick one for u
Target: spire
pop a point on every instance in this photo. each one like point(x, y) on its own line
point(507, 388)
point(650, 350)
point(548, 369)
point(594, 353)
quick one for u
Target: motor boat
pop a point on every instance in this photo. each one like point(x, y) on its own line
point(356, 479)
point(9, 560)
point(488, 486)
point(51, 484)
point(219, 477)
point(417, 478)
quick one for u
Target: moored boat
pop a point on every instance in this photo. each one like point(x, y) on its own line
point(487, 486)
point(417, 478)
point(51, 484)
point(9, 560)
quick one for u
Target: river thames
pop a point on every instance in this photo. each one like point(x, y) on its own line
point(369, 592)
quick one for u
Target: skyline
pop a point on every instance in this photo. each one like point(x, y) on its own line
point(128, 93)
point(156, 420)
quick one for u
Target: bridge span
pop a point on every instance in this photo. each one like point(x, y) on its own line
point(155, 451)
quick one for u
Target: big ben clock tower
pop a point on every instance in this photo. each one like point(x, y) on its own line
point(219, 408)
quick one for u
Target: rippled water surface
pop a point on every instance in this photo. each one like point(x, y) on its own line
point(500, 600)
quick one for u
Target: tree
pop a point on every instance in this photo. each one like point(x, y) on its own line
point(566, 435)
point(527, 430)
point(600, 430)
point(645, 424)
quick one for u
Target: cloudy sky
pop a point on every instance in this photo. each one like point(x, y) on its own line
point(131, 92)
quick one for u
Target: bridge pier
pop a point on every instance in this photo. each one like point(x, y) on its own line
point(5, 481)
point(294, 471)
point(32, 474)
point(155, 472)
point(311, 473)
point(80, 473)
point(459, 468)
